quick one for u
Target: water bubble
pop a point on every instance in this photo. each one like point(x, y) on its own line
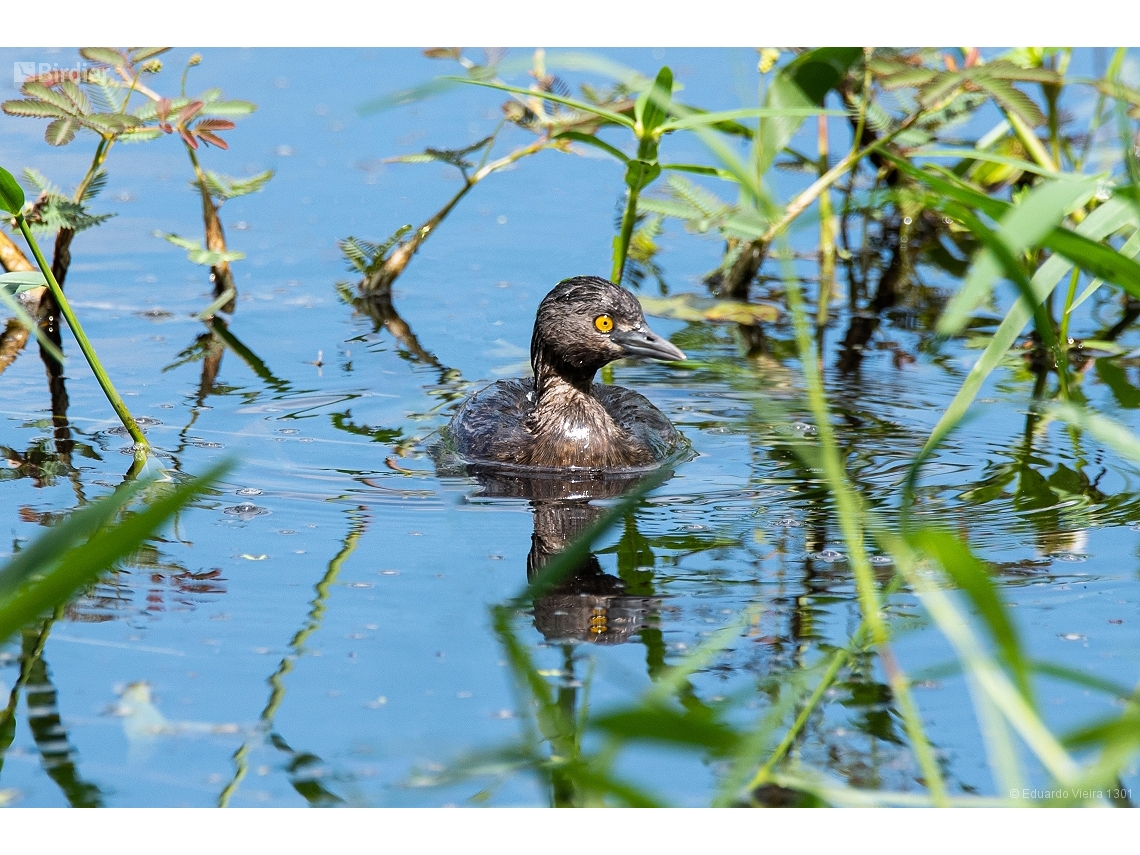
point(880, 559)
point(288, 430)
point(201, 443)
point(789, 522)
point(694, 527)
point(1072, 557)
point(830, 556)
point(142, 421)
point(134, 449)
point(245, 511)
point(248, 491)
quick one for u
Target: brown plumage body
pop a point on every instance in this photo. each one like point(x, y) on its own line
point(561, 418)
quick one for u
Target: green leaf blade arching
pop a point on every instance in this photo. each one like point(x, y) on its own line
point(1098, 259)
point(49, 571)
point(1022, 227)
point(11, 193)
point(972, 577)
point(591, 140)
point(1106, 220)
point(652, 107)
point(802, 83)
point(20, 281)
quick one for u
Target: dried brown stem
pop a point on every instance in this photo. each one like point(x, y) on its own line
point(12, 259)
point(220, 273)
point(381, 281)
point(748, 263)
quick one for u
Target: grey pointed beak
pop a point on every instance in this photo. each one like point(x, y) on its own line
point(645, 342)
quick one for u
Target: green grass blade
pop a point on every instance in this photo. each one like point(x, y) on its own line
point(700, 119)
point(1109, 218)
point(1022, 227)
point(46, 587)
point(980, 667)
point(1080, 678)
point(697, 169)
point(1113, 434)
point(971, 576)
point(955, 190)
point(1098, 259)
point(590, 139)
point(1129, 250)
point(672, 680)
point(996, 256)
point(581, 106)
point(45, 551)
point(989, 157)
point(664, 724)
point(564, 563)
point(407, 96)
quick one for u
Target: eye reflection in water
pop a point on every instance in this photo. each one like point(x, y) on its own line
point(589, 605)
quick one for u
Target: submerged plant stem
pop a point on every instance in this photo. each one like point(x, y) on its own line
point(141, 444)
point(850, 513)
point(833, 668)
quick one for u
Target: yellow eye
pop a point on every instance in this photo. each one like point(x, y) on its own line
point(603, 323)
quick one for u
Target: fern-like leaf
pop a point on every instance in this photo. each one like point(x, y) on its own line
point(35, 89)
point(197, 254)
point(143, 54)
point(103, 56)
point(140, 134)
point(366, 257)
point(95, 186)
point(75, 95)
point(34, 108)
point(907, 76)
point(229, 108)
point(104, 93)
point(1012, 99)
point(61, 131)
point(940, 88)
point(37, 179)
point(706, 203)
point(1006, 70)
point(227, 187)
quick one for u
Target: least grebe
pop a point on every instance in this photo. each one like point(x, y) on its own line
point(562, 419)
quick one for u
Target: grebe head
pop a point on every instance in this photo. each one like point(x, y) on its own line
point(587, 322)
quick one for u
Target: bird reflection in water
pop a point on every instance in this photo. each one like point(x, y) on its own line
point(588, 604)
